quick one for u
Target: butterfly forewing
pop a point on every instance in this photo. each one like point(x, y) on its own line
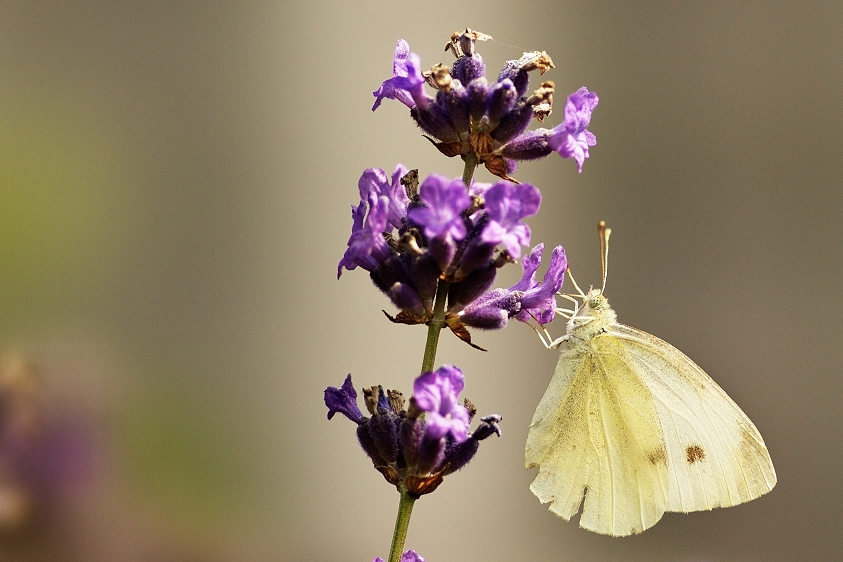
point(716, 456)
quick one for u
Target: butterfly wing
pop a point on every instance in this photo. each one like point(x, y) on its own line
point(715, 455)
point(636, 427)
point(596, 433)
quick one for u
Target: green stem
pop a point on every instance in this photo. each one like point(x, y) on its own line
point(402, 522)
point(438, 321)
point(435, 326)
point(468, 172)
point(405, 505)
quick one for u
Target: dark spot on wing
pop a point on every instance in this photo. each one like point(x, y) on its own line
point(694, 453)
point(659, 456)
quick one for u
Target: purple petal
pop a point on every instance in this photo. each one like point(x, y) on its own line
point(529, 264)
point(411, 556)
point(408, 556)
point(351, 259)
point(571, 139)
point(539, 301)
point(344, 401)
point(407, 82)
point(506, 205)
point(572, 146)
point(445, 201)
point(366, 245)
point(375, 180)
point(436, 393)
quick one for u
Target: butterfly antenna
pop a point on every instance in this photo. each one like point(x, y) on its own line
point(603, 233)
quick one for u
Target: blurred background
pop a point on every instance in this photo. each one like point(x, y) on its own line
point(175, 184)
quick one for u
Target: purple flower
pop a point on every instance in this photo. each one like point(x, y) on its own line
point(407, 82)
point(413, 451)
point(488, 122)
point(506, 205)
point(525, 300)
point(571, 139)
point(408, 556)
point(445, 232)
point(435, 392)
point(375, 180)
point(344, 401)
point(538, 300)
point(366, 245)
point(445, 200)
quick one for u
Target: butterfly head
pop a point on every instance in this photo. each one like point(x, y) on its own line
point(595, 301)
point(592, 318)
point(596, 305)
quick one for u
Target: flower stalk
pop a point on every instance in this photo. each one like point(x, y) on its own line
point(435, 326)
point(402, 523)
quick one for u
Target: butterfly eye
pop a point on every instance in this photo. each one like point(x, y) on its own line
point(597, 301)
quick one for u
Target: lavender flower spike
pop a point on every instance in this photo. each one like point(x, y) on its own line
point(571, 139)
point(435, 392)
point(487, 121)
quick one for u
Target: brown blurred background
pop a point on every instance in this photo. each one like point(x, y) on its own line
point(175, 183)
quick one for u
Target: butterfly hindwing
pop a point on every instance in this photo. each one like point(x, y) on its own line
point(596, 431)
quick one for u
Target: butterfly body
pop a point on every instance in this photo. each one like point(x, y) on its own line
point(631, 428)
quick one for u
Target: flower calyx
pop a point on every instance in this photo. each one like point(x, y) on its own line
point(462, 42)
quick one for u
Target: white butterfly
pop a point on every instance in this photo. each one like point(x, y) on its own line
point(636, 427)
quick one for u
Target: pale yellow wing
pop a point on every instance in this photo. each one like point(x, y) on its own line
point(639, 429)
point(715, 455)
point(596, 432)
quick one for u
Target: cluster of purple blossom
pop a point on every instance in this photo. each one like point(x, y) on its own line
point(411, 451)
point(485, 122)
point(445, 231)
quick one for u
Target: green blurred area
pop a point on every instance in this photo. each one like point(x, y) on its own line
point(68, 240)
point(57, 213)
point(177, 449)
